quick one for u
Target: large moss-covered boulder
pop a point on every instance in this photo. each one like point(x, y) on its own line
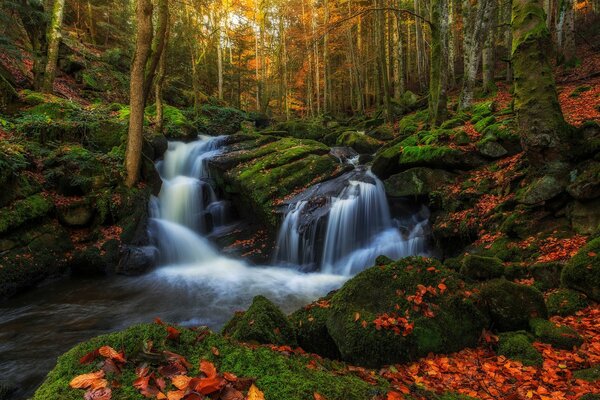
point(416, 182)
point(400, 311)
point(517, 346)
point(310, 325)
point(360, 142)
point(586, 185)
point(561, 337)
point(540, 190)
point(262, 323)
point(481, 268)
point(584, 216)
point(277, 375)
point(565, 302)
point(582, 272)
point(258, 172)
point(510, 306)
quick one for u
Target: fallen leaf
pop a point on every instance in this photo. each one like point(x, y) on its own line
point(215, 351)
point(356, 316)
point(172, 333)
point(318, 396)
point(181, 382)
point(230, 377)
point(98, 394)
point(208, 369)
point(109, 352)
point(92, 380)
point(230, 393)
point(255, 394)
point(89, 357)
point(175, 394)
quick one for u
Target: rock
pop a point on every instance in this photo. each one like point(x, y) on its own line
point(586, 184)
point(24, 211)
point(565, 302)
point(585, 216)
point(517, 346)
point(88, 262)
point(560, 337)
point(582, 272)
point(540, 190)
point(310, 325)
point(416, 182)
point(590, 375)
point(262, 323)
point(360, 142)
point(510, 306)
point(481, 268)
point(136, 260)
point(77, 215)
point(367, 314)
point(344, 154)
point(546, 275)
point(492, 149)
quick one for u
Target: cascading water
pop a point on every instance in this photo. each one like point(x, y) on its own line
point(351, 227)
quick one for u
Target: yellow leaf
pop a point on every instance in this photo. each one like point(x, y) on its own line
point(255, 394)
point(356, 316)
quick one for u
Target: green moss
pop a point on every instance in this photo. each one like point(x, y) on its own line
point(412, 123)
point(278, 376)
point(425, 154)
point(360, 142)
point(482, 124)
point(589, 374)
point(565, 302)
point(481, 110)
point(383, 290)
point(481, 268)
point(510, 306)
point(262, 323)
point(582, 272)
point(517, 346)
point(23, 211)
point(561, 337)
point(33, 98)
point(580, 89)
point(310, 324)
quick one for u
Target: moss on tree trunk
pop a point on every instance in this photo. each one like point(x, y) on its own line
point(541, 124)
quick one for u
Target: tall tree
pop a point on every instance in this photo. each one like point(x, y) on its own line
point(54, 37)
point(438, 76)
point(539, 116)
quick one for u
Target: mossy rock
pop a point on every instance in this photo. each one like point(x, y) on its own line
point(582, 272)
point(561, 337)
point(417, 182)
point(589, 374)
point(24, 211)
point(262, 323)
point(484, 123)
point(277, 375)
point(383, 293)
point(481, 268)
point(590, 396)
point(546, 275)
point(360, 142)
point(565, 302)
point(310, 325)
point(517, 346)
point(510, 306)
point(540, 190)
point(586, 185)
point(412, 123)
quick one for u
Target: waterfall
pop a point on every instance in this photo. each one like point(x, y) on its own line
point(352, 228)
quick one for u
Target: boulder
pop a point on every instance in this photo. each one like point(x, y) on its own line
point(540, 190)
point(417, 181)
point(518, 346)
point(585, 216)
point(491, 149)
point(136, 260)
point(481, 268)
point(582, 272)
point(77, 215)
point(360, 142)
point(262, 323)
point(560, 337)
point(510, 306)
point(565, 302)
point(586, 185)
point(400, 311)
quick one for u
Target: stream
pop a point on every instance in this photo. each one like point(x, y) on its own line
point(317, 250)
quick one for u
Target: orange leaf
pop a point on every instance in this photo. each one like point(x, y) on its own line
point(230, 377)
point(208, 369)
point(175, 395)
point(255, 394)
point(92, 380)
point(356, 316)
point(109, 352)
point(207, 386)
point(181, 382)
point(319, 396)
point(394, 396)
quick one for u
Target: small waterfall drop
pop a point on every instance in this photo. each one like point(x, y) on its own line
point(347, 228)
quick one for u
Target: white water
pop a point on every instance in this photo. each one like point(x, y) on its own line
point(189, 262)
point(357, 229)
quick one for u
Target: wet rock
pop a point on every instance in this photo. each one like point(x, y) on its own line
point(360, 142)
point(77, 215)
point(481, 268)
point(344, 154)
point(137, 260)
point(417, 182)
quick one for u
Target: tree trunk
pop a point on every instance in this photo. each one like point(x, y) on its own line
point(158, 40)
point(489, 56)
point(54, 37)
point(160, 80)
point(133, 156)
point(565, 32)
point(539, 116)
point(387, 101)
point(438, 74)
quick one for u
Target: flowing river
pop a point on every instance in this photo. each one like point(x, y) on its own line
point(317, 250)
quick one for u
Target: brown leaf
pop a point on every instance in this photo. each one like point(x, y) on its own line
point(215, 351)
point(356, 316)
point(92, 380)
point(175, 394)
point(207, 386)
point(98, 394)
point(110, 366)
point(89, 357)
point(109, 352)
point(172, 333)
point(230, 377)
point(230, 393)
